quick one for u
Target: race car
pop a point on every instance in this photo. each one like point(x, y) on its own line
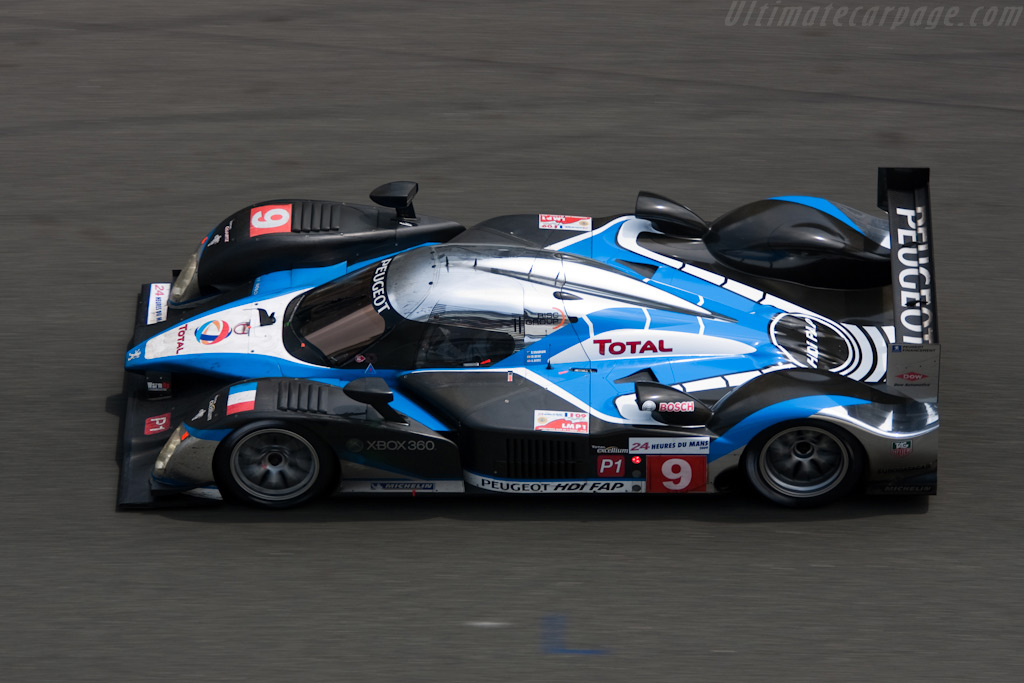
point(310, 348)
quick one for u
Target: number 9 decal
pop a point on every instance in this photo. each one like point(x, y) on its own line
point(268, 219)
point(676, 473)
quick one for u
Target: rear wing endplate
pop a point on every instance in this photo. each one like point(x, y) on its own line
point(903, 193)
point(914, 354)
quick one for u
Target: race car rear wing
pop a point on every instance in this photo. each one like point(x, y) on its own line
point(903, 193)
point(913, 359)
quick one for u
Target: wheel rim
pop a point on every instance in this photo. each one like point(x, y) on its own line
point(804, 462)
point(274, 465)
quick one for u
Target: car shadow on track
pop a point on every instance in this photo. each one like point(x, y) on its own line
point(740, 507)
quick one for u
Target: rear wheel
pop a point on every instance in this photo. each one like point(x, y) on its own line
point(273, 465)
point(804, 464)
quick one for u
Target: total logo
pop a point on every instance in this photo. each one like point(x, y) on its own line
point(635, 347)
point(181, 339)
point(213, 332)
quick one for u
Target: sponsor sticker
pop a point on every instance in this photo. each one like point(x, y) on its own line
point(269, 219)
point(677, 474)
point(157, 424)
point(241, 397)
point(180, 346)
point(380, 298)
point(559, 222)
point(402, 486)
point(912, 376)
point(561, 421)
point(554, 486)
point(675, 407)
point(914, 370)
point(534, 356)
point(158, 386)
point(902, 449)
point(213, 332)
point(156, 310)
point(693, 445)
point(611, 465)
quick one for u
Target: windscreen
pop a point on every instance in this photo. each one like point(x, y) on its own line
point(339, 318)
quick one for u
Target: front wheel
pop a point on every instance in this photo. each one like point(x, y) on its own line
point(273, 465)
point(804, 464)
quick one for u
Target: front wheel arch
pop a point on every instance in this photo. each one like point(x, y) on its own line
point(804, 463)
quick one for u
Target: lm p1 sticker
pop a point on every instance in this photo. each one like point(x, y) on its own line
point(269, 219)
point(564, 421)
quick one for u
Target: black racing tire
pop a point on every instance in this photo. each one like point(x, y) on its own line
point(274, 465)
point(804, 464)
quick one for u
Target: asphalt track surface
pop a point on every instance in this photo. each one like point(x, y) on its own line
point(128, 129)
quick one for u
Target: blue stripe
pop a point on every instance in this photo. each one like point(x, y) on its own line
point(824, 206)
point(239, 388)
point(794, 409)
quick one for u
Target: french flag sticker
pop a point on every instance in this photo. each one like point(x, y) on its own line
point(241, 397)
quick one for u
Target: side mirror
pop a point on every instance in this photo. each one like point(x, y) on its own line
point(397, 195)
point(669, 217)
point(376, 393)
point(670, 406)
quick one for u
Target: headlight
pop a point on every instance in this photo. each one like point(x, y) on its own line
point(176, 437)
point(186, 286)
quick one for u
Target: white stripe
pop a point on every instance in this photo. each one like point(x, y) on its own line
point(704, 384)
point(881, 350)
point(867, 358)
point(743, 290)
point(739, 378)
point(706, 275)
point(242, 397)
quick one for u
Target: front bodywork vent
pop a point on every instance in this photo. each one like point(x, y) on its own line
point(314, 217)
point(302, 397)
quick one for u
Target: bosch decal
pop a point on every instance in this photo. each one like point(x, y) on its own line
point(676, 407)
